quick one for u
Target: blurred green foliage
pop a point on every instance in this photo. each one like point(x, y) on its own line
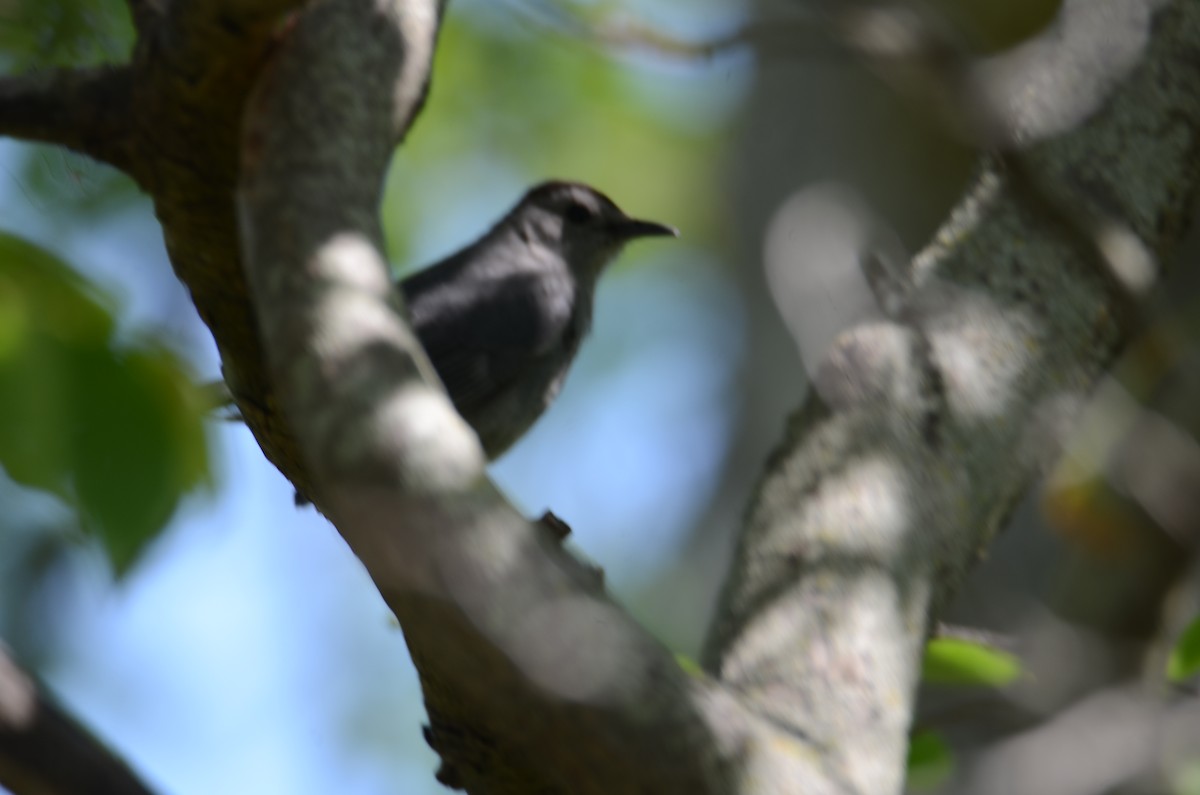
point(953, 661)
point(538, 105)
point(689, 665)
point(113, 430)
point(930, 761)
point(1184, 661)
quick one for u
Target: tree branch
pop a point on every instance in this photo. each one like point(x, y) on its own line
point(921, 434)
point(43, 751)
point(192, 74)
point(86, 110)
point(506, 628)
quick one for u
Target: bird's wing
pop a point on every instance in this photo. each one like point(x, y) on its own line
point(482, 344)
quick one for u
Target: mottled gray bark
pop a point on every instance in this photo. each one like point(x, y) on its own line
point(924, 428)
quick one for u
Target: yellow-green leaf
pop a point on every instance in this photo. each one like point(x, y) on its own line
point(113, 430)
point(952, 661)
point(689, 666)
point(1184, 661)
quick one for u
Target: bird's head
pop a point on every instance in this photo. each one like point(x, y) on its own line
point(580, 224)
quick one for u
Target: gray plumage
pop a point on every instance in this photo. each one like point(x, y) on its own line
point(502, 319)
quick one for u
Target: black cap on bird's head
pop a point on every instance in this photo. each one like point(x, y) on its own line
point(586, 226)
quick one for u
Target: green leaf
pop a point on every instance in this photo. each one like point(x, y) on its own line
point(115, 431)
point(952, 661)
point(930, 761)
point(33, 402)
point(1184, 661)
point(67, 308)
point(45, 313)
point(132, 461)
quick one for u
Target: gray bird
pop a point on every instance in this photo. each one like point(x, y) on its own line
point(502, 319)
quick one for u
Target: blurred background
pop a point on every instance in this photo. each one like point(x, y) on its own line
point(156, 575)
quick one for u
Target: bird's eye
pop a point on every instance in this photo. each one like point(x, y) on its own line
point(578, 213)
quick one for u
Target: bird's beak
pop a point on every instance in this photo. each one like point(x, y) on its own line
point(630, 228)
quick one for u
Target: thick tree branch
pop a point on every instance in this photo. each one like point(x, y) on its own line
point(534, 680)
point(44, 752)
point(192, 74)
point(921, 434)
point(86, 110)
